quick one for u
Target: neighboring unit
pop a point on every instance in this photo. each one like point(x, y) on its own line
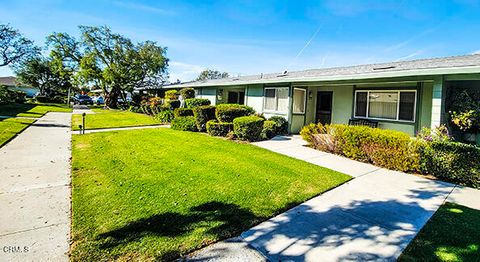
point(405, 96)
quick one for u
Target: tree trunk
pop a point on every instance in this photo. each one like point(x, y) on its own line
point(111, 99)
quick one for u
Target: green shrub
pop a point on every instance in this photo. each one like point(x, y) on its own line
point(11, 96)
point(195, 102)
point(281, 124)
point(42, 99)
point(184, 123)
point(187, 93)
point(165, 116)
point(202, 115)
point(452, 161)
point(215, 128)
point(228, 112)
point(386, 148)
point(183, 112)
point(174, 104)
point(248, 127)
point(269, 129)
point(171, 95)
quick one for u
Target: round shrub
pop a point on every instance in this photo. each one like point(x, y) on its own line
point(248, 127)
point(164, 116)
point(215, 128)
point(202, 115)
point(195, 102)
point(187, 93)
point(281, 124)
point(183, 112)
point(171, 95)
point(184, 123)
point(269, 129)
point(228, 112)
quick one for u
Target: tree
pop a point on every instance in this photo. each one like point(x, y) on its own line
point(211, 74)
point(116, 64)
point(37, 72)
point(15, 48)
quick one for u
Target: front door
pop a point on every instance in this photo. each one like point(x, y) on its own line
point(324, 107)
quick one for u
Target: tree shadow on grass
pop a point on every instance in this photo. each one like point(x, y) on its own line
point(16, 109)
point(228, 220)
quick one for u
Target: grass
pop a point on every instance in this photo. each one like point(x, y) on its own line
point(452, 234)
point(160, 193)
point(10, 127)
point(31, 109)
point(112, 118)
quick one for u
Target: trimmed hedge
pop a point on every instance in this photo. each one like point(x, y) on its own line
point(215, 128)
point(164, 116)
point(386, 148)
point(269, 129)
point(202, 115)
point(453, 162)
point(183, 112)
point(196, 102)
point(171, 95)
point(248, 127)
point(187, 93)
point(281, 124)
point(228, 112)
point(184, 123)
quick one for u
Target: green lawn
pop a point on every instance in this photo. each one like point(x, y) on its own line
point(11, 126)
point(112, 118)
point(159, 193)
point(452, 234)
point(31, 109)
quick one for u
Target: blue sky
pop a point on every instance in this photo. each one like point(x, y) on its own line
point(260, 36)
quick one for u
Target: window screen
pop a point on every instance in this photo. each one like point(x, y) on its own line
point(407, 106)
point(361, 104)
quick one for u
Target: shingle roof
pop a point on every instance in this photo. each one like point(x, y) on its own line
point(432, 66)
point(8, 81)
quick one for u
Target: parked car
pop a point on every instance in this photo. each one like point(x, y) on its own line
point(82, 100)
point(120, 100)
point(98, 100)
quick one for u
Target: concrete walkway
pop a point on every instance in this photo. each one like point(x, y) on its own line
point(372, 217)
point(35, 192)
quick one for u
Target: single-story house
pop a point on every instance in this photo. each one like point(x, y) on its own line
point(405, 96)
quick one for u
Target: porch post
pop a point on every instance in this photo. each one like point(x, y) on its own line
point(438, 102)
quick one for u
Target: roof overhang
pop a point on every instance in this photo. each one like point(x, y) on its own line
point(352, 77)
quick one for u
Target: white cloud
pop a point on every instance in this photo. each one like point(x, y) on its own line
point(183, 71)
point(477, 52)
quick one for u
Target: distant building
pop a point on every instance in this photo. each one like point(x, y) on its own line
point(11, 82)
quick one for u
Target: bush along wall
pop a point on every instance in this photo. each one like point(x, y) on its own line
point(184, 123)
point(281, 125)
point(452, 161)
point(195, 102)
point(202, 115)
point(248, 127)
point(215, 128)
point(187, 93)
point(228, 112)
point(269, 129)
point(183, 112)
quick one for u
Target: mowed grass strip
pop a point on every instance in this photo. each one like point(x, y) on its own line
point(32, 109)
point(111, 118)
point(12, 126)
point(452, 234)
point(160, 193)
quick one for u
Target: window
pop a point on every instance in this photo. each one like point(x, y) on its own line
point(276, 99)
point(397, 105)
point(299, 100)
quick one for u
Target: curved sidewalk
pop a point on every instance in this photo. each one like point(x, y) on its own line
point(372, 217)
point(35, 192)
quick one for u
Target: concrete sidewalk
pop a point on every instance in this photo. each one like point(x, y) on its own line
point(35, 192)
point(372, 217)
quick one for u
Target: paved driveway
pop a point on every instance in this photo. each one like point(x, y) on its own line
point(35, 192)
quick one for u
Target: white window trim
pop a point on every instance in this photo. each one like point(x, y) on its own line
point(276, 111)
point(304, 100)
point(398, 105)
